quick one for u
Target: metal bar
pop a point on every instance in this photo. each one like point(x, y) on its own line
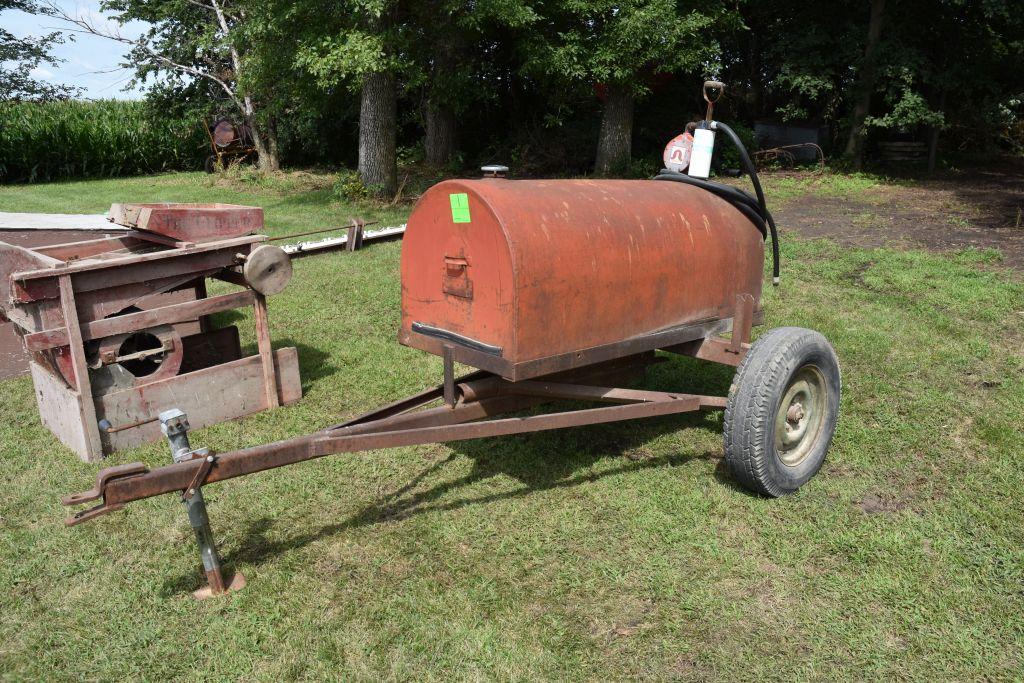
point(443, 415)
point(579, 392)
point(302, 249)
point(480, 385)
point(174, 425)
point(567, 361)
point(130, 322)
point(406, 404)
point(176, 477)
point(449, 376)
point(742, 322)
point(315, 232)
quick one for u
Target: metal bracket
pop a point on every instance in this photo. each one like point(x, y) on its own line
point(449, 375)
point(201, 473)
point(103, 477)
point(742, 323)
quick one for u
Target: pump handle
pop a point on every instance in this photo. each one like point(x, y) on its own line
point(713, 91)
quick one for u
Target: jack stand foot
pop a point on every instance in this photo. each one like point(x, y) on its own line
point(237, 584)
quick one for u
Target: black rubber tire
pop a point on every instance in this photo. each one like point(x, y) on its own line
point(210, 165)
point(755, 396)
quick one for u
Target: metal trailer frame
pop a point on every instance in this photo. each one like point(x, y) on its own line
point(470, 408)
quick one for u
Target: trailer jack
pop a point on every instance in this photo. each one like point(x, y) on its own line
point(174, 425)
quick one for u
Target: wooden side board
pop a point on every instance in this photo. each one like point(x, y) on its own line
point(215, 394)
point(189, 309)
point(60, 411)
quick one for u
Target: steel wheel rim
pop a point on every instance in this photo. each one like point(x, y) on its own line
point(800, 416)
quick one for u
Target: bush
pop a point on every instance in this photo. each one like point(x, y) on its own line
point(54, 140)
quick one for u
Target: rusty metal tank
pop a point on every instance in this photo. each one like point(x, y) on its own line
point(528, 277)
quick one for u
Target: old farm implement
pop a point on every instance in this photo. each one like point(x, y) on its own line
point(120, 328)
point(561, 290)
point(228, 144)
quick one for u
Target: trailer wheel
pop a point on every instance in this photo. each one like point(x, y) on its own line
point(782, 410)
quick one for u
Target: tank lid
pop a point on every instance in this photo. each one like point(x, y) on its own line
point(494, 171)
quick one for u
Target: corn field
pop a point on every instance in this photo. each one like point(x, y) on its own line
point(54, 140)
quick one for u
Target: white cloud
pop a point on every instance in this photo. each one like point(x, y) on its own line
point(41, 73)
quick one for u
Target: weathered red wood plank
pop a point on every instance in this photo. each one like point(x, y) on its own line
point(165, 315)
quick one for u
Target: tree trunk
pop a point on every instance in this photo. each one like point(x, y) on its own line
point(933, 137)
point(865, 86)
point(439, 143)
point(266, 151)
point(615, 144)
point(377, 124)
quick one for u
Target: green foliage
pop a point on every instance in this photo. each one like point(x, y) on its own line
point(728, 155)
point(606, 41)
point(349, 186)
point(19, 56)
point(55, 140)
point(334, 59)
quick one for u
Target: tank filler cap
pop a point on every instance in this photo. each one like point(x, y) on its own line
point(494, 171)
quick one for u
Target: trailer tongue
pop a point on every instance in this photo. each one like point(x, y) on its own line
point(561, 290)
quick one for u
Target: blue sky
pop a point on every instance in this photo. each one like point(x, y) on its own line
point(90, 62)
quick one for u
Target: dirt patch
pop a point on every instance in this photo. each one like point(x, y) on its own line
point(913, 495)
point(984, 210)
point(873, 504)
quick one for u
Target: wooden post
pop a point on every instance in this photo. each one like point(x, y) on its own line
point(86, 408)
point(266, 351)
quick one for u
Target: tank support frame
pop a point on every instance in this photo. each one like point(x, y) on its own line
point(469, 408)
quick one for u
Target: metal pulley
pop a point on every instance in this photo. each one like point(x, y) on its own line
point(267, 269)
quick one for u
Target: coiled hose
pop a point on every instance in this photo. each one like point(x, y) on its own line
point(754, 209)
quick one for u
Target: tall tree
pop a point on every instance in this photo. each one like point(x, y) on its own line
point(19, 57)
point(866, 84)
point(453, 46)
point(189, 41)
point(360, 44)
point(618, 45)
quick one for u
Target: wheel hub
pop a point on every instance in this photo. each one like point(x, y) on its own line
point(800, 416)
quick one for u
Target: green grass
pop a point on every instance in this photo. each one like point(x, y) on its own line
point(292, 202)
point(620, 552)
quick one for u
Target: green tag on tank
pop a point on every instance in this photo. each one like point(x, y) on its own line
point(460, 207)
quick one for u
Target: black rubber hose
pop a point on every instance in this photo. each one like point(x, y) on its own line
point(752, 172)
point(744, 203)
point(755, 210)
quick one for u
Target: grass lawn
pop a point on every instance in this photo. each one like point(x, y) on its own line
point(607, 553)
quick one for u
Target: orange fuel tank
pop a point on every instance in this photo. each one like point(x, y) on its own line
point(528, 277)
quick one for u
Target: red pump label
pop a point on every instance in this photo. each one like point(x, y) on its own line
point(677, 153)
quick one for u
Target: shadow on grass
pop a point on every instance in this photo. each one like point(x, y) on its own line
point(532, 459)
point(313, 363)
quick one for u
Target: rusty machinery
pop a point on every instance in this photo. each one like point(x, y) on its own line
point(119, 329)
point(561, 290)
point(228, 143)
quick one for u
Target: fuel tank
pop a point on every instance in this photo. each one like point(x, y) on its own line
point(528, 277)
